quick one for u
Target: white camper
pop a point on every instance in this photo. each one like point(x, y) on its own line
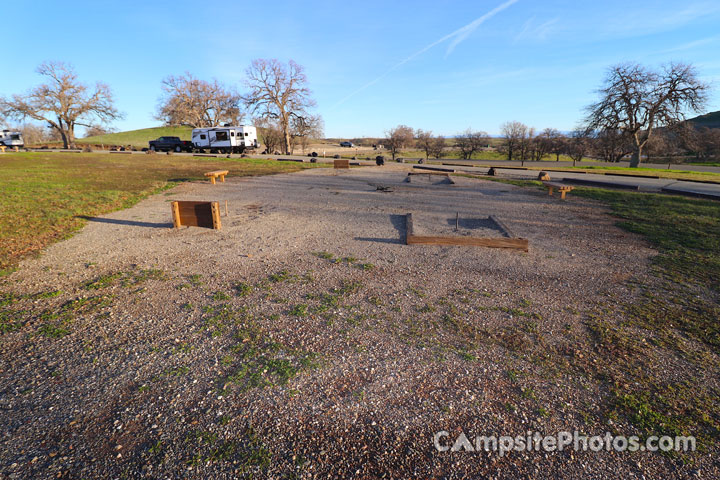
point(11, 139)
point(225, 139)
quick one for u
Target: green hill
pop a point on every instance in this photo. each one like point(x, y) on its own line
point(709, 120)
point(137, 138)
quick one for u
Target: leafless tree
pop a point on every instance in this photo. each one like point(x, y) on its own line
point(543, 143)
point(702, 142)
point(657, 146)
point(424, 140)
point(556, 141)
point(526, 144)
point(304, 129)
point(437, 147)
point(97, 130)
point(63, 102)
point(470, 142)
point(32, 134)
point(636, 100)
point(270, 133)
point(711, 142)
point(578, 145)
point(514, 134)
point(612, 145)
point(279, 92)
point(398, 138)
point(198, 103)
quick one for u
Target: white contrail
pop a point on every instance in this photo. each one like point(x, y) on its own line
point(460, 35)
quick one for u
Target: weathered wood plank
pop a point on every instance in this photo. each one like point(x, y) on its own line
point(513, 243)
point(412, 239)
point(438, 169)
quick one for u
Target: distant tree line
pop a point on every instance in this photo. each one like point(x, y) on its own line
point(520, 142)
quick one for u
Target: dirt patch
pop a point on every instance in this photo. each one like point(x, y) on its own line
point(305, 339)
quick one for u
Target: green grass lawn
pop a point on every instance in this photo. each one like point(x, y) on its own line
point(137, 138)
point(650, 172)
point(42, 193)
point(675, 317)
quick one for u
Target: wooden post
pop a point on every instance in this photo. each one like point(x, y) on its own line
point(176, 214)
point(215, 206)
point(408, 228)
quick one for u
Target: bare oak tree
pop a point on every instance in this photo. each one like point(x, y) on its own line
point(612, 145)
point(398, 138)
point(636, 100)
point(437, 146)
point(63, 102)
point(97, 130)
point(33, 134)
point(198, 103)
point(578, 145)
point(270, 134)
point(304, 129)
point(424, 140)
point(514, 134)
point(279, 92)
point(470, 142)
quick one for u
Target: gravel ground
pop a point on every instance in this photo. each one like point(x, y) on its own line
point(305, 340)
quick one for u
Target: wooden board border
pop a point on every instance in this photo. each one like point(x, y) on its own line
point(512, 243)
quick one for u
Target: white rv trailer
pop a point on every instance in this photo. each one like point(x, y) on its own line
point(11, 139)
point(225, 139)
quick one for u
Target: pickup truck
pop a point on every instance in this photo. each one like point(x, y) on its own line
point(170, 144)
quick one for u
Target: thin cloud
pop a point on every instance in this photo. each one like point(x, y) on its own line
point(464, 32)
point(458, 37)
point(692, 45)
point(533, 32)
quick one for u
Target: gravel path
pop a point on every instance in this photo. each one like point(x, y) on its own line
point(305, 340)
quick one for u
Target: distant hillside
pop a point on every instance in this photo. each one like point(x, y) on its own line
point(709, 120)
point(138, 138)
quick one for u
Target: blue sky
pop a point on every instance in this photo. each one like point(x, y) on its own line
point(440, 65)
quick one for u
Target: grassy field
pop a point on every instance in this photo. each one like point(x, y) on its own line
point(43, 193)
point(650, 172)
point(137, 138)
point(678, 317)
point(675, 319)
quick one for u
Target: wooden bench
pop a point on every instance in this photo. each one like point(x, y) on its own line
point(215, 174)
point(562, 188)
point(2, 148)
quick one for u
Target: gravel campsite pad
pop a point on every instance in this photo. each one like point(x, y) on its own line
point(305, 340)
